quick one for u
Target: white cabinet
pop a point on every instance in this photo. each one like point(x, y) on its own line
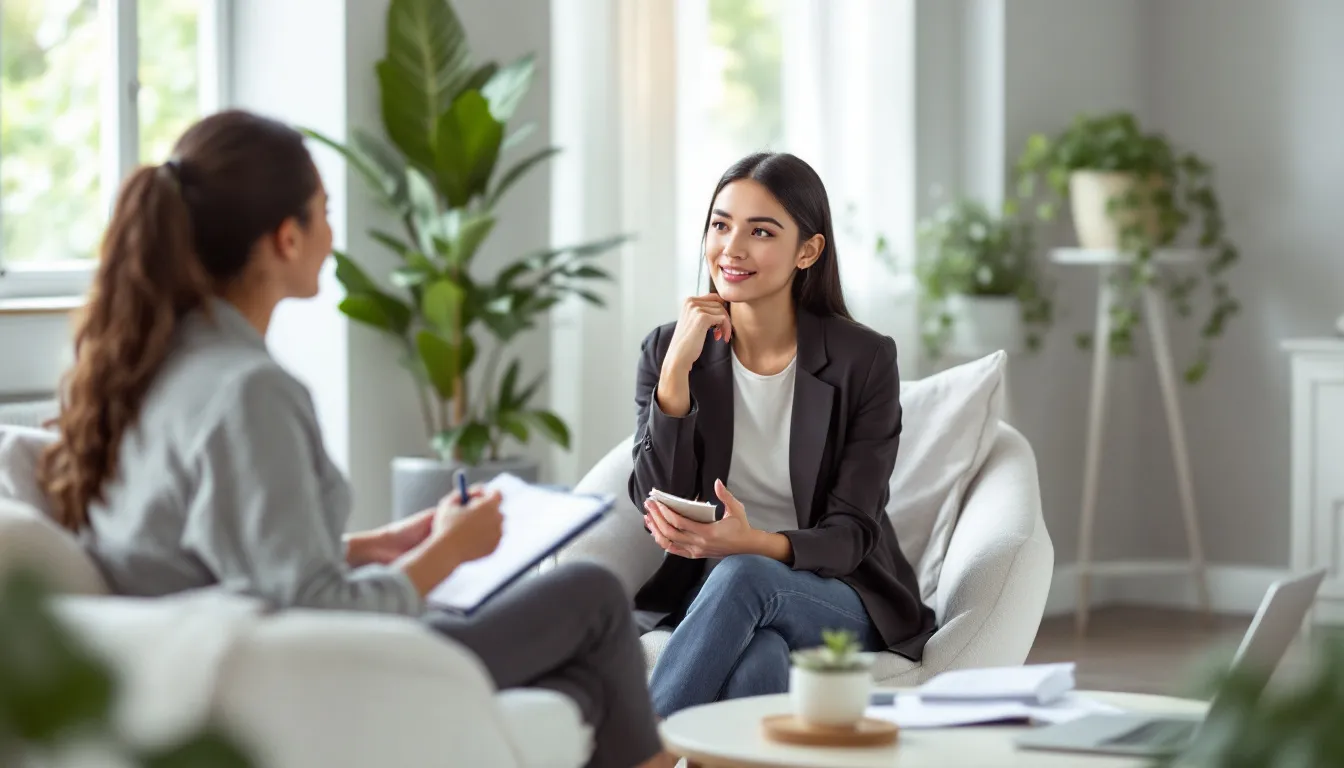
point(1318, 467)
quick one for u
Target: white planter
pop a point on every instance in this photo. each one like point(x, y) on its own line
point(1089, 192)
point(985, 324)
point(836, 699)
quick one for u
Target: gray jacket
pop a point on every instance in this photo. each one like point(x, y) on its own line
point(225, 481)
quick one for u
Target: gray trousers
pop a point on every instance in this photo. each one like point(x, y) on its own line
point(569, 630)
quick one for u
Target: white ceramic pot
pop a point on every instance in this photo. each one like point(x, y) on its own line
point(984, 324)
point(836, 699)
point(1089, 193)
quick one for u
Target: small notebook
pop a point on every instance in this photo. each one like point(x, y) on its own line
point(537, 523)
point(1036, 685)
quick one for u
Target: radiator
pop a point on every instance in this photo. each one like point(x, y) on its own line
point(28, 413)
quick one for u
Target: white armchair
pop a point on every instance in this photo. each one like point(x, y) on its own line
point(991, 590)
point(301, 689)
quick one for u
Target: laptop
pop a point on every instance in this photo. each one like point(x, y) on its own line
point(1276, 623)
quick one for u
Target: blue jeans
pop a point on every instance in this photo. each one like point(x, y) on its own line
point(739, 629)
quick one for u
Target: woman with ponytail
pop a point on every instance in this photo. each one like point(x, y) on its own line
point(187, 457)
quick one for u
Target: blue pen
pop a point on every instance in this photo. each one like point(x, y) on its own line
point(462, 487)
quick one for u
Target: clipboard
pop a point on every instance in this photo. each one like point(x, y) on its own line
point(537, 523)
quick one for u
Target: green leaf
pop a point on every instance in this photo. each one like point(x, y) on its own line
point(508, 86)
point(466, 145)
point(466, 354)
point(474, 441)
point(445, 442)
point(506, 387)
point(531, 389)
point(426, 65)
point(551, 426)
point(351, 275)
point(442, 306)
point(513, 423)
point(518, 136)
point(441, 362)
point(479, 78)
point(418, 264)
point(590, 273)
point(424, 207)
point(472, 233)
point(391, 165)
point(516, 172)
point(377, 176)
point(591, 298)
point(391, 242)
point(367, 310)
point(204, 750)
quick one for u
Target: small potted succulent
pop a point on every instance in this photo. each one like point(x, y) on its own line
point(830, 684)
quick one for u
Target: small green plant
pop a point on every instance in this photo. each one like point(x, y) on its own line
point(54, 692)
point(1174, 190)
point(446, 116)
point(965, 250)
point(1255, 725)
point(839, 652)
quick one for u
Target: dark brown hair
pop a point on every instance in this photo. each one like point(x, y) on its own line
point(798, 188)
point(179, 233)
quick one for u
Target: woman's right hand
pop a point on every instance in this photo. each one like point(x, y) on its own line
point(459, 535)
point(698, 315)
point(473, 531)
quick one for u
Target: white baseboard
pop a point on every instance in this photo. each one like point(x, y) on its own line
point(1236, 589)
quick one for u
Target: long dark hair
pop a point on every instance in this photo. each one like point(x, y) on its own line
point(179, 233)
point(799, 189)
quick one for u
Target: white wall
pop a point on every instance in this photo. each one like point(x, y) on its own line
point(991, 73)
point(365, 399)
point(1254, 88)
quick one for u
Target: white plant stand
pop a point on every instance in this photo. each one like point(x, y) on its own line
point(1106, 262)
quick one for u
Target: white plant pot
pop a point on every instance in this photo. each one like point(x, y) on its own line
point(985, 324)
point(834, 699)
point(1089, 193)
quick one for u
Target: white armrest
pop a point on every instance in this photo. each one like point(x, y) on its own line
point(619, 542)
point(999, 564)
point(321, 689)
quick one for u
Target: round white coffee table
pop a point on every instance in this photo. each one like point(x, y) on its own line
point(727, 734)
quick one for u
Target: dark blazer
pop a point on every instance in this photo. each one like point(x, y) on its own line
point(845, 432)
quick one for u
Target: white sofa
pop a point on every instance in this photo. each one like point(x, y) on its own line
point(301, 689)
point(991, 588)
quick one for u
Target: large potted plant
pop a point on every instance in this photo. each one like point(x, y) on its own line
point(980, 287)
point(1133, 191)
point(446, 118)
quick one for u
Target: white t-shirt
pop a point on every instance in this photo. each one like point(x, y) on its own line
point(759, 473)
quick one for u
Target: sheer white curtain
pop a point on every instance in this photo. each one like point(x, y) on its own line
point(613, 107)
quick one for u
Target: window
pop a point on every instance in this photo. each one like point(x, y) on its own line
point(89, 89)
point(828, 80)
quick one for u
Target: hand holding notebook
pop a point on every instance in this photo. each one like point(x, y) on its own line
point(536, 523)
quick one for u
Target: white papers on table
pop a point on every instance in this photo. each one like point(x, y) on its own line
point(1034, 684)
point(911, 711)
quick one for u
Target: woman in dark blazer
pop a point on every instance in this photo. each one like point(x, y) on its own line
point(765, 385)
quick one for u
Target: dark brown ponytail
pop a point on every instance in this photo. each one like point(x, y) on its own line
point(179, 232)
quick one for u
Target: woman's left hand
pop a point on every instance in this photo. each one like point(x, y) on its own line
point(385, 544)
point(686, 538)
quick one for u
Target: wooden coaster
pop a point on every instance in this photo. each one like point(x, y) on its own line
point(788, 729)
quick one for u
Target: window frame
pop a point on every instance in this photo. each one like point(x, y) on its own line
point(119, 151)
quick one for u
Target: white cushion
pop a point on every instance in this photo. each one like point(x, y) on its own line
point(951, 420)
point(20, 450)
point(29, 539)
point(546, 727)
